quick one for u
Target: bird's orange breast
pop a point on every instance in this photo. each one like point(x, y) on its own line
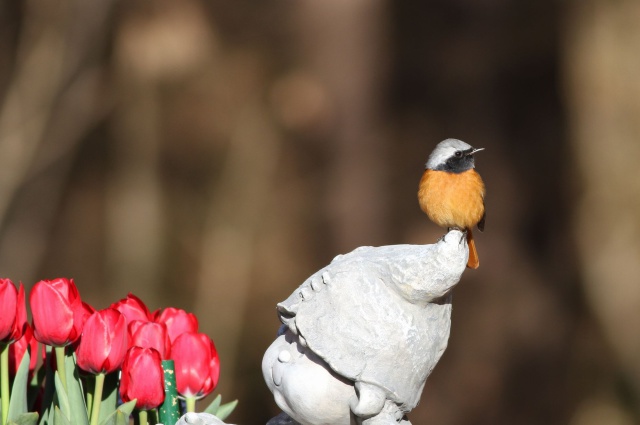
point(452, 199)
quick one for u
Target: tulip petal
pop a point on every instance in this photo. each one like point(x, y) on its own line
point(20, 326)
point(177, 321)
point(133, 308)
point(119, 344)
point(8, 301)
point(103, 343)
point(142, 378)
point(196, 364)
point(150, 335)
point(19, 347)
point(52, 314)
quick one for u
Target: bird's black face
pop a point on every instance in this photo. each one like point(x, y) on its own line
point(460, 161)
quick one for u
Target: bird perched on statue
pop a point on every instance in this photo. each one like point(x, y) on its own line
point(451, 192)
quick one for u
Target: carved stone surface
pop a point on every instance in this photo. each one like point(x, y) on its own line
point(303, 383)
point(199, 419)
point(361, 336)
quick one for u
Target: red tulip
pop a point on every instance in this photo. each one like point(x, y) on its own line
point(133, 309)
point(142, 378)
point(87, 310)
point(57, 312)
point(103, 342)
point(13, 315)
point(196, 363)
point(150, 335)
point(17, 350)
point(178, 321)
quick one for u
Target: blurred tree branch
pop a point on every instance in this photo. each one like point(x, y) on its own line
point(602, 65)
point(54, 96)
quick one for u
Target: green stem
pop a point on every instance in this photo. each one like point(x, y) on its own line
point(61, 368)
point(4, 381)
point(142, 417)
point(153, 417)
point(97, 398)
point(191, 404)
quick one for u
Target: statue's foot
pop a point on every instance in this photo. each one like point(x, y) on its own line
point(389, 415)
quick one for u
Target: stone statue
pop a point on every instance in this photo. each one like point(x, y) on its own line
point(360, 336)
point(192, 418)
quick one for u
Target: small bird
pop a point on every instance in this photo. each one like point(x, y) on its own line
point(451, 192)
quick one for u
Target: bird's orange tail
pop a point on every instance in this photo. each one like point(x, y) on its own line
point(473, 261)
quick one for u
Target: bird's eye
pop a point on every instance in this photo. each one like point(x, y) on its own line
point(458, 154)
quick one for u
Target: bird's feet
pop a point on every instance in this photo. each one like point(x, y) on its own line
point(462, 238)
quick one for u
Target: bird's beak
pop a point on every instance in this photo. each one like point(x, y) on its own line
point(474, 150)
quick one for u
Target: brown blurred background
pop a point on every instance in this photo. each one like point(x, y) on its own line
point(210, 155)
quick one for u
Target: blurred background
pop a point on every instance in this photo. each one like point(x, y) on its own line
point(211, 155)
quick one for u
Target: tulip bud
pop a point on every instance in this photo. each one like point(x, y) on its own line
point(197, 364)
point(150, 335)
point(133, 309)
point(178, 321)
point(13, 315)
point(103, 343)
point(142, 378)
point(57, 312)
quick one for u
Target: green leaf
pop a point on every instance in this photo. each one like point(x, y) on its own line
point(49, 389)
point(77, 405)
point(121, 418)
point(226, 409)
point(36, 384)
point(89, 389)
point(18, 401)
point(111, 419)
point(127, 408)
point(33, 390)
point(29, 418)
point(47, 416)
point(124, 411)
point(59, 418)
point(63, 400)
point(109, 396)
point(213, 407)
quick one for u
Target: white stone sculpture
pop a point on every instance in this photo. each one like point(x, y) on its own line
point(360, 336)
point(199, 419)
